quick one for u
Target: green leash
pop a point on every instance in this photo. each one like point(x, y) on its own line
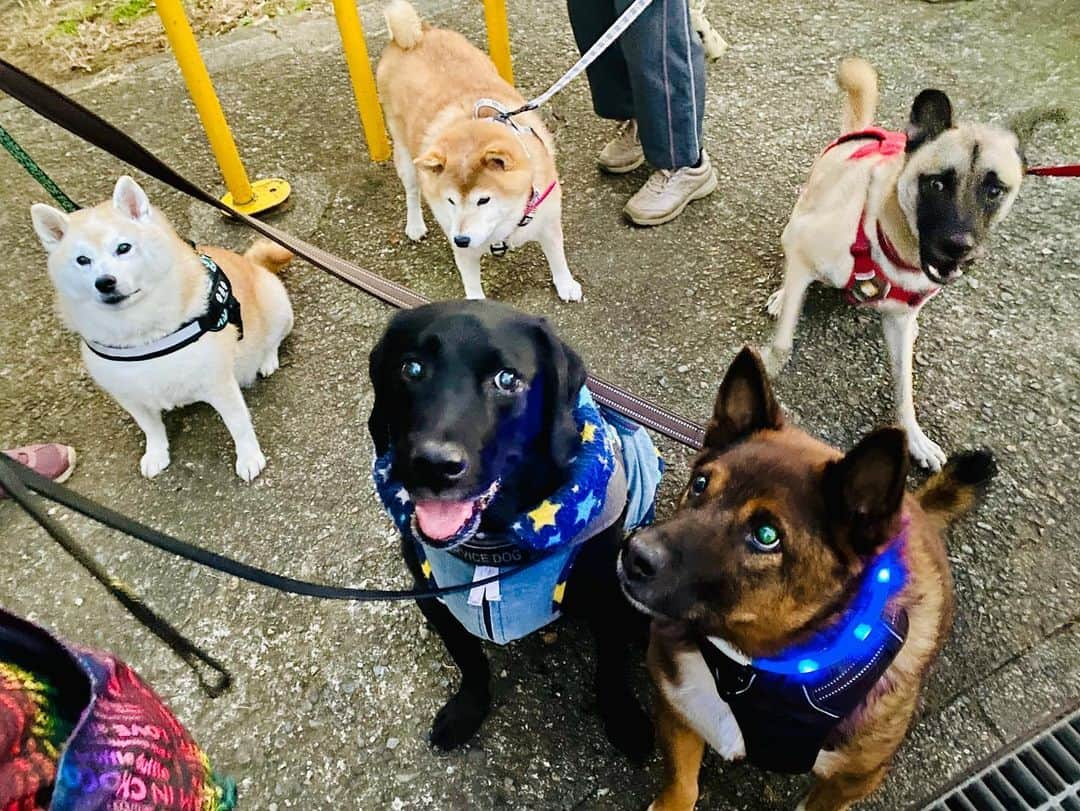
point(30, 165)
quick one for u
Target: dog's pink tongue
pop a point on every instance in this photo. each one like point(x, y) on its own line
point(440, 520)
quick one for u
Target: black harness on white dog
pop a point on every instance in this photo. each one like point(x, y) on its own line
point(222, 309)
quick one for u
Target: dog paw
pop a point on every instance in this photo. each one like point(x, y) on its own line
point(270, 365)
point(775, 303)
point(250, 464)
point(775, 360)
point(925, 451)
point(153, 462)
point(459, 719)
point(569, 290)
point(629, 728)
point(416, 231)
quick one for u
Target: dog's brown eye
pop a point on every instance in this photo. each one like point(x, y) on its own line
point(698, 485)
point(483, 201)
point(83, 260)
point(507, 380)
point(412, 370)
point(123, 248)
point(765, 537)
point(994, 192)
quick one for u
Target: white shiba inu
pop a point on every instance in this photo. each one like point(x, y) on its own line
point(491, 184)
point(160, 325)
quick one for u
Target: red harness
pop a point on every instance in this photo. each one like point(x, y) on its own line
point(868, 284)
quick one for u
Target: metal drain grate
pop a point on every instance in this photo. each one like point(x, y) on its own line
point(1043, 773)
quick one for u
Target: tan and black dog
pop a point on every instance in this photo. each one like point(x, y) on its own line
point(891, 218)
point(798, 597)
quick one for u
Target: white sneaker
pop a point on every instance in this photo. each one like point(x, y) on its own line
point(622, 153)
point(668, 192)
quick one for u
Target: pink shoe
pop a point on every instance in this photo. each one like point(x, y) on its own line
point(54, 461)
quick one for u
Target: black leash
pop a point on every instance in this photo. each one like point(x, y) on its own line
point(12, 480)
point(29, 479)
point(76, 119)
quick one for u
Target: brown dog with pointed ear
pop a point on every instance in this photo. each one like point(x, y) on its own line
point(798, 596)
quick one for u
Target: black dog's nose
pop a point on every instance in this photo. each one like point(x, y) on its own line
point(105, 284)
point(955, 246)
point(462, 241)
point(644, 557)
point(439, 462)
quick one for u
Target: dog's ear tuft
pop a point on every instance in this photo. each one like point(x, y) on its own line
point(130, 200)
point(499, 159)
point(864, 491)
point(433, 161)
point(931, 115)
point(745, 403)
point(50, 224)
point(564, 374)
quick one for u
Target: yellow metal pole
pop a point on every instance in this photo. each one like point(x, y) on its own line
point(363, 81)
point(243, 195)
point(498, 31)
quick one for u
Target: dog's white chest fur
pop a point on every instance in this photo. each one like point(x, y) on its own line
point(171, 381)
point(696, 699)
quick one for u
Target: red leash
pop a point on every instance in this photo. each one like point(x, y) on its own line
point(1068, 170)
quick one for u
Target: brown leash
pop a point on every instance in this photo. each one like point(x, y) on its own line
point(76, 119)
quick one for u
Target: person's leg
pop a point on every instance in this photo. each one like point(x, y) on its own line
point(609, 81)
point(667, 74)
point(666, 67)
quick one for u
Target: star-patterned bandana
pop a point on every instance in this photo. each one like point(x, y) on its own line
point(616, 468)
point(556, 520)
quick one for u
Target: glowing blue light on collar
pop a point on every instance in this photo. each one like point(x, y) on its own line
point(856, 636)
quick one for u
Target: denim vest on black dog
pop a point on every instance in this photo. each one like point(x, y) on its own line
point(617, 468)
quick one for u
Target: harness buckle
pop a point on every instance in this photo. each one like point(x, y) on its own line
point(499, 249)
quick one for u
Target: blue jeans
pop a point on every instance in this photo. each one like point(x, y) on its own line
point(655, 73)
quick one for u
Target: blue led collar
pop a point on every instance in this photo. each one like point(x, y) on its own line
point(863, 626)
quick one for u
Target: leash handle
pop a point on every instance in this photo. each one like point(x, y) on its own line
point(192, 655)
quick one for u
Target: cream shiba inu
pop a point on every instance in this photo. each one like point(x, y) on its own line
point(163, 325)
point(491, 184)
point(891, 218)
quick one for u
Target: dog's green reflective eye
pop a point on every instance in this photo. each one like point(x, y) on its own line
point(765, 537)
point(698, 485)
point(412, 370)
point(507, 380)
point(83, 260)
point(483, 201)
point(937, 184)
point(123, 248)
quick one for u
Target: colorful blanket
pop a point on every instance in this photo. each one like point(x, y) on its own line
point(80, 731)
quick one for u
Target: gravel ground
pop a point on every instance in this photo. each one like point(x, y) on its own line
point(332, 701)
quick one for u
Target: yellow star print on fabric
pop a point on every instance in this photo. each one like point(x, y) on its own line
point(544, 515)
point(588, 433)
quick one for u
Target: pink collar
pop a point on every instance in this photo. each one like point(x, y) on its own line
point(535, 199)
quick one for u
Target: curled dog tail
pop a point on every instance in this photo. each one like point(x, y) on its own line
point(269, 255)
point(858, 79)
point(951, 493)
point(406, 29)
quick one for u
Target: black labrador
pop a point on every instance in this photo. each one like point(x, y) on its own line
point(469, 393)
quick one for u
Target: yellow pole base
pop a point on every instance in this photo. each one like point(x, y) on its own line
point(265, 195)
